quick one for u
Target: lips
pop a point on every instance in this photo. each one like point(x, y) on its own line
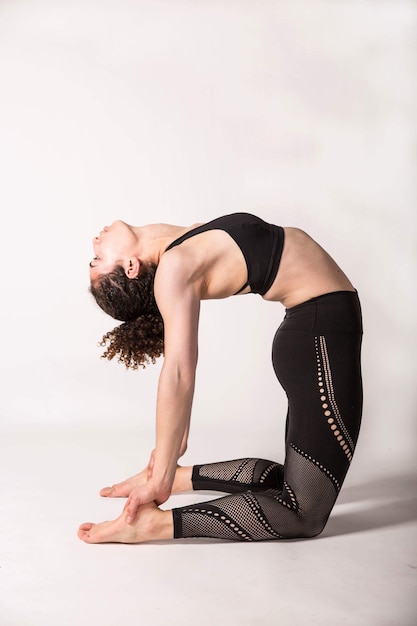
point(105, 229)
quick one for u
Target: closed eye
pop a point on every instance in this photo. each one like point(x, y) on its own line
point(91, 262)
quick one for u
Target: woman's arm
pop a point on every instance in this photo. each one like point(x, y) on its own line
point(184, 443)
point(178, 299)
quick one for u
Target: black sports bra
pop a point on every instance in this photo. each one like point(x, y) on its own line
point(261, 245)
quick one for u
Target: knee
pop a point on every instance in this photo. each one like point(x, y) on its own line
point(305, 527)
point(311, 526)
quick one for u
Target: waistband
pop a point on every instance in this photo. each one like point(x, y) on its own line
point(338, 311)
point(332, 295)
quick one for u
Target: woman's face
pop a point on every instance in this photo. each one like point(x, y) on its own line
point(111, 247)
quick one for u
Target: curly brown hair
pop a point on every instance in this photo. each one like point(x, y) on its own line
point(140, 339)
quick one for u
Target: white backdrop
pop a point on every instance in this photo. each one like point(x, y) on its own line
point(302, 112)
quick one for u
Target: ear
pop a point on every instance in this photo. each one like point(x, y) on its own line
point(132, 266)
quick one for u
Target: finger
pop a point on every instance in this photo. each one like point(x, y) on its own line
point(131, 508)
point(120, 490)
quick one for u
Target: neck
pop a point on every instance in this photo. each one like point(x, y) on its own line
point(153, 239)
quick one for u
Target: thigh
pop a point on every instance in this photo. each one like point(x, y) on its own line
point(321, 376)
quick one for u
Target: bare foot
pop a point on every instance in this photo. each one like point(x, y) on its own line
point(151, 524)
point(182, 482)
point(123, 489)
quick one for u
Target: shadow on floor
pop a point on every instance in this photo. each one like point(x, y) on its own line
point(383, 502)
point(382, 487)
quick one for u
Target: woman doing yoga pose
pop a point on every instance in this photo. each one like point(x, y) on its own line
point(153, 278)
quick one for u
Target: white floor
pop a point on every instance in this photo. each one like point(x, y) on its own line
point(361, 571)
point(182, 110)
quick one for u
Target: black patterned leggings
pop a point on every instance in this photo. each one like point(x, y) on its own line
point(316, 357)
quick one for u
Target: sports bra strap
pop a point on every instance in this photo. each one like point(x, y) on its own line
point(242, 288)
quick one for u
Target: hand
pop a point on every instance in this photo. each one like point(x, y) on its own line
point(144, 494)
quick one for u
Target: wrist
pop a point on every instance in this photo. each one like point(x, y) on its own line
point(162, 485)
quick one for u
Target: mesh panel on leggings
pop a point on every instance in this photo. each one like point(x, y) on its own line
point(301, 510)
point(314, 487)
point(249, 473)
point(240, 470)
point(232, 517)
point(203, 524)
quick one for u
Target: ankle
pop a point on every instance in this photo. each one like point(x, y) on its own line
point(183, 480)
point(162, 525)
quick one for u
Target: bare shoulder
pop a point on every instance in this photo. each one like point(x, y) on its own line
point(174, 269)
point(178, 300)
point(175, 280)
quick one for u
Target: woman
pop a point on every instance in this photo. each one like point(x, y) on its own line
point(154, 278)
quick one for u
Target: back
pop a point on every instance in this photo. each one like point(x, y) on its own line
point(261, 245)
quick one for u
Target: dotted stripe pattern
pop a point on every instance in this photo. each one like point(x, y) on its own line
point(267, 471)
point(329, 384)
point(291, 494)
point(261, 519)
point(240, 470)
point(323, 469)
point(232, 524)
point(277, 495)
point(290, 505)
point(329, 405)
point(223, 518)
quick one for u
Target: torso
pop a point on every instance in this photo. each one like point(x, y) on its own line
point(306, 271)
point(260, 244)
point(215, 260)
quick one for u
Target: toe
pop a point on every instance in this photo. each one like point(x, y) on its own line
point(121, 490)
point(98, 533)
point(84, 532)
point(94, 533)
